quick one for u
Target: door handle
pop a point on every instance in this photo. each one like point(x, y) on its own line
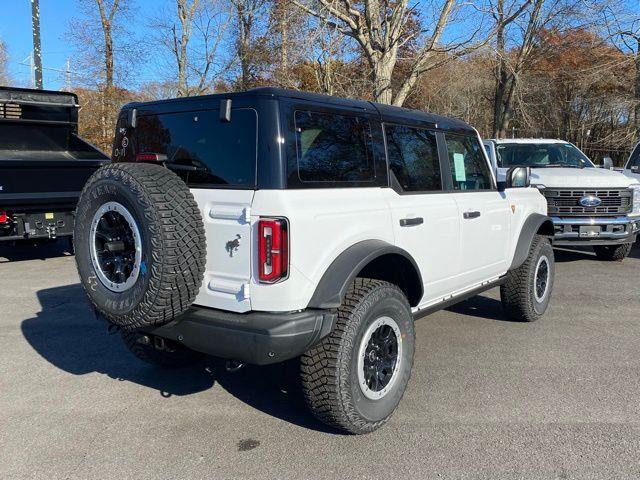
point(470, 215)
point(409, 222)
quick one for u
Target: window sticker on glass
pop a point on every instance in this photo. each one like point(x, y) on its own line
point(458, 164)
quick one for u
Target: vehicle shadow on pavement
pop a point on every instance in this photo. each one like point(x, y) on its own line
point(274, 390)
point(67, 335)
point(21, 251)
point(481, 306)
point(566, 255)
point(635, 251)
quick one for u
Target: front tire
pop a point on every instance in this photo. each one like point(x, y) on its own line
point(355, 378)
point(613, 253)
point(526, 293)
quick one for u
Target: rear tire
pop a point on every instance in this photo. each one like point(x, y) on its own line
point(159, 352)
point(355, 378)
point(613, 253)
point(526, 293)
point(140, 244)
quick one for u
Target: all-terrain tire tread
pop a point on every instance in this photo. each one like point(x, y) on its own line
point(177, 238)
point(615, 253)
point(515, 296)
point(324, 375)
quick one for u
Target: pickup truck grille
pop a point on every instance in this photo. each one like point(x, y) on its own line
point(567, 202)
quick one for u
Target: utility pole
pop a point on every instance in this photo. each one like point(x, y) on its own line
point(37, 52)
point(68, 74)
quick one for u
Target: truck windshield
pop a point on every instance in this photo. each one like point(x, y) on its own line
point(541, 155)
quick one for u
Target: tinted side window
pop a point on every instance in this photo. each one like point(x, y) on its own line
point(469, 169)
point(413, 158)
point(333, 148)
point(200, 148)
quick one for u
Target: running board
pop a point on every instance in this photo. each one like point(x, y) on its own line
point(457, 299)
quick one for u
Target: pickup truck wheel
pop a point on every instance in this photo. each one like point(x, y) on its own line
point(527, 290)
point(158, 351)
point(354, 379)
point(613, 253)
point(140, 244)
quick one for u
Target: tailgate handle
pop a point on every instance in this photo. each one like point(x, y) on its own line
point(470, 215)
point(409, 222)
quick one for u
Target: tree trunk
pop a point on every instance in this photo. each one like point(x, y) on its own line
point(107, 24)
point(637, 90)
point(382, 70)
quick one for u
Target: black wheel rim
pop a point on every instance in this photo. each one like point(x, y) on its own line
point(115, 247)
point(381, 356)
point(541, 278)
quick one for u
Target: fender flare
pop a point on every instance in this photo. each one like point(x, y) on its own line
point(532, 225)
point(343, 270)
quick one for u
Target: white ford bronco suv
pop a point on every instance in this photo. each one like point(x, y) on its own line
point(589, 206)
point(271, 225)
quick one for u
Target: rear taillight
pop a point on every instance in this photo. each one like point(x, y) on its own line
point(151, 157)
point(273, 249)
point(4, 218)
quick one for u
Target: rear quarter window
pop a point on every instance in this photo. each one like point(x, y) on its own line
point(332, 148)
point(203, 150)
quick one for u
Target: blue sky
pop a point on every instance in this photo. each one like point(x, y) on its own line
point(15, 31)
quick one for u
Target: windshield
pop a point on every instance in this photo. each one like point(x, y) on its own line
point(541, 155)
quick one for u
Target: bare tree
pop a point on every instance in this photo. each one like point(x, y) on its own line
point(106, 49)
point(186, 12)
point(192, 35)
point(509, 64)
point(381, 28)
point(623, 23)
point(248, 41)
point(104, 42)
point(107, 13)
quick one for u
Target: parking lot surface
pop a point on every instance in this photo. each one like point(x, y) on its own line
point(488, 398)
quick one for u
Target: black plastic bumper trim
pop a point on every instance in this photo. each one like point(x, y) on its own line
point(258, 338)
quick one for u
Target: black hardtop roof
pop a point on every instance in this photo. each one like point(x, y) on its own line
point(396, 114)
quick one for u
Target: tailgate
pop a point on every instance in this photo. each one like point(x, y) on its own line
point(38, 182)
point(227, 222)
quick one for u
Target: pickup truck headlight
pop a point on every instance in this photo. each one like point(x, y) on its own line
point(636, 199)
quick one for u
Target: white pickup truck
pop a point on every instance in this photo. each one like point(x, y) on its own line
point(589, 206)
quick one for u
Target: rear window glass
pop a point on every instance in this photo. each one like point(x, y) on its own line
point(201, 148)
point(333, 148)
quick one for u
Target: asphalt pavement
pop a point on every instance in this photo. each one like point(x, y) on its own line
point(489, 398)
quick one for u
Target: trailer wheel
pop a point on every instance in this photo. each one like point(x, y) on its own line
point(140, 244)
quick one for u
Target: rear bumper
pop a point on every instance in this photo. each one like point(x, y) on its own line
point(51, 224)
point(258, 338)
point(595, 230)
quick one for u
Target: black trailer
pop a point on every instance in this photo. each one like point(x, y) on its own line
point(43, 163)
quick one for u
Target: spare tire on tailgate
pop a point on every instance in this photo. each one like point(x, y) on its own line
point(140, 244)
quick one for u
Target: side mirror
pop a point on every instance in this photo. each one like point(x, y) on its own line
point(517, 177)
point(607, 163)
